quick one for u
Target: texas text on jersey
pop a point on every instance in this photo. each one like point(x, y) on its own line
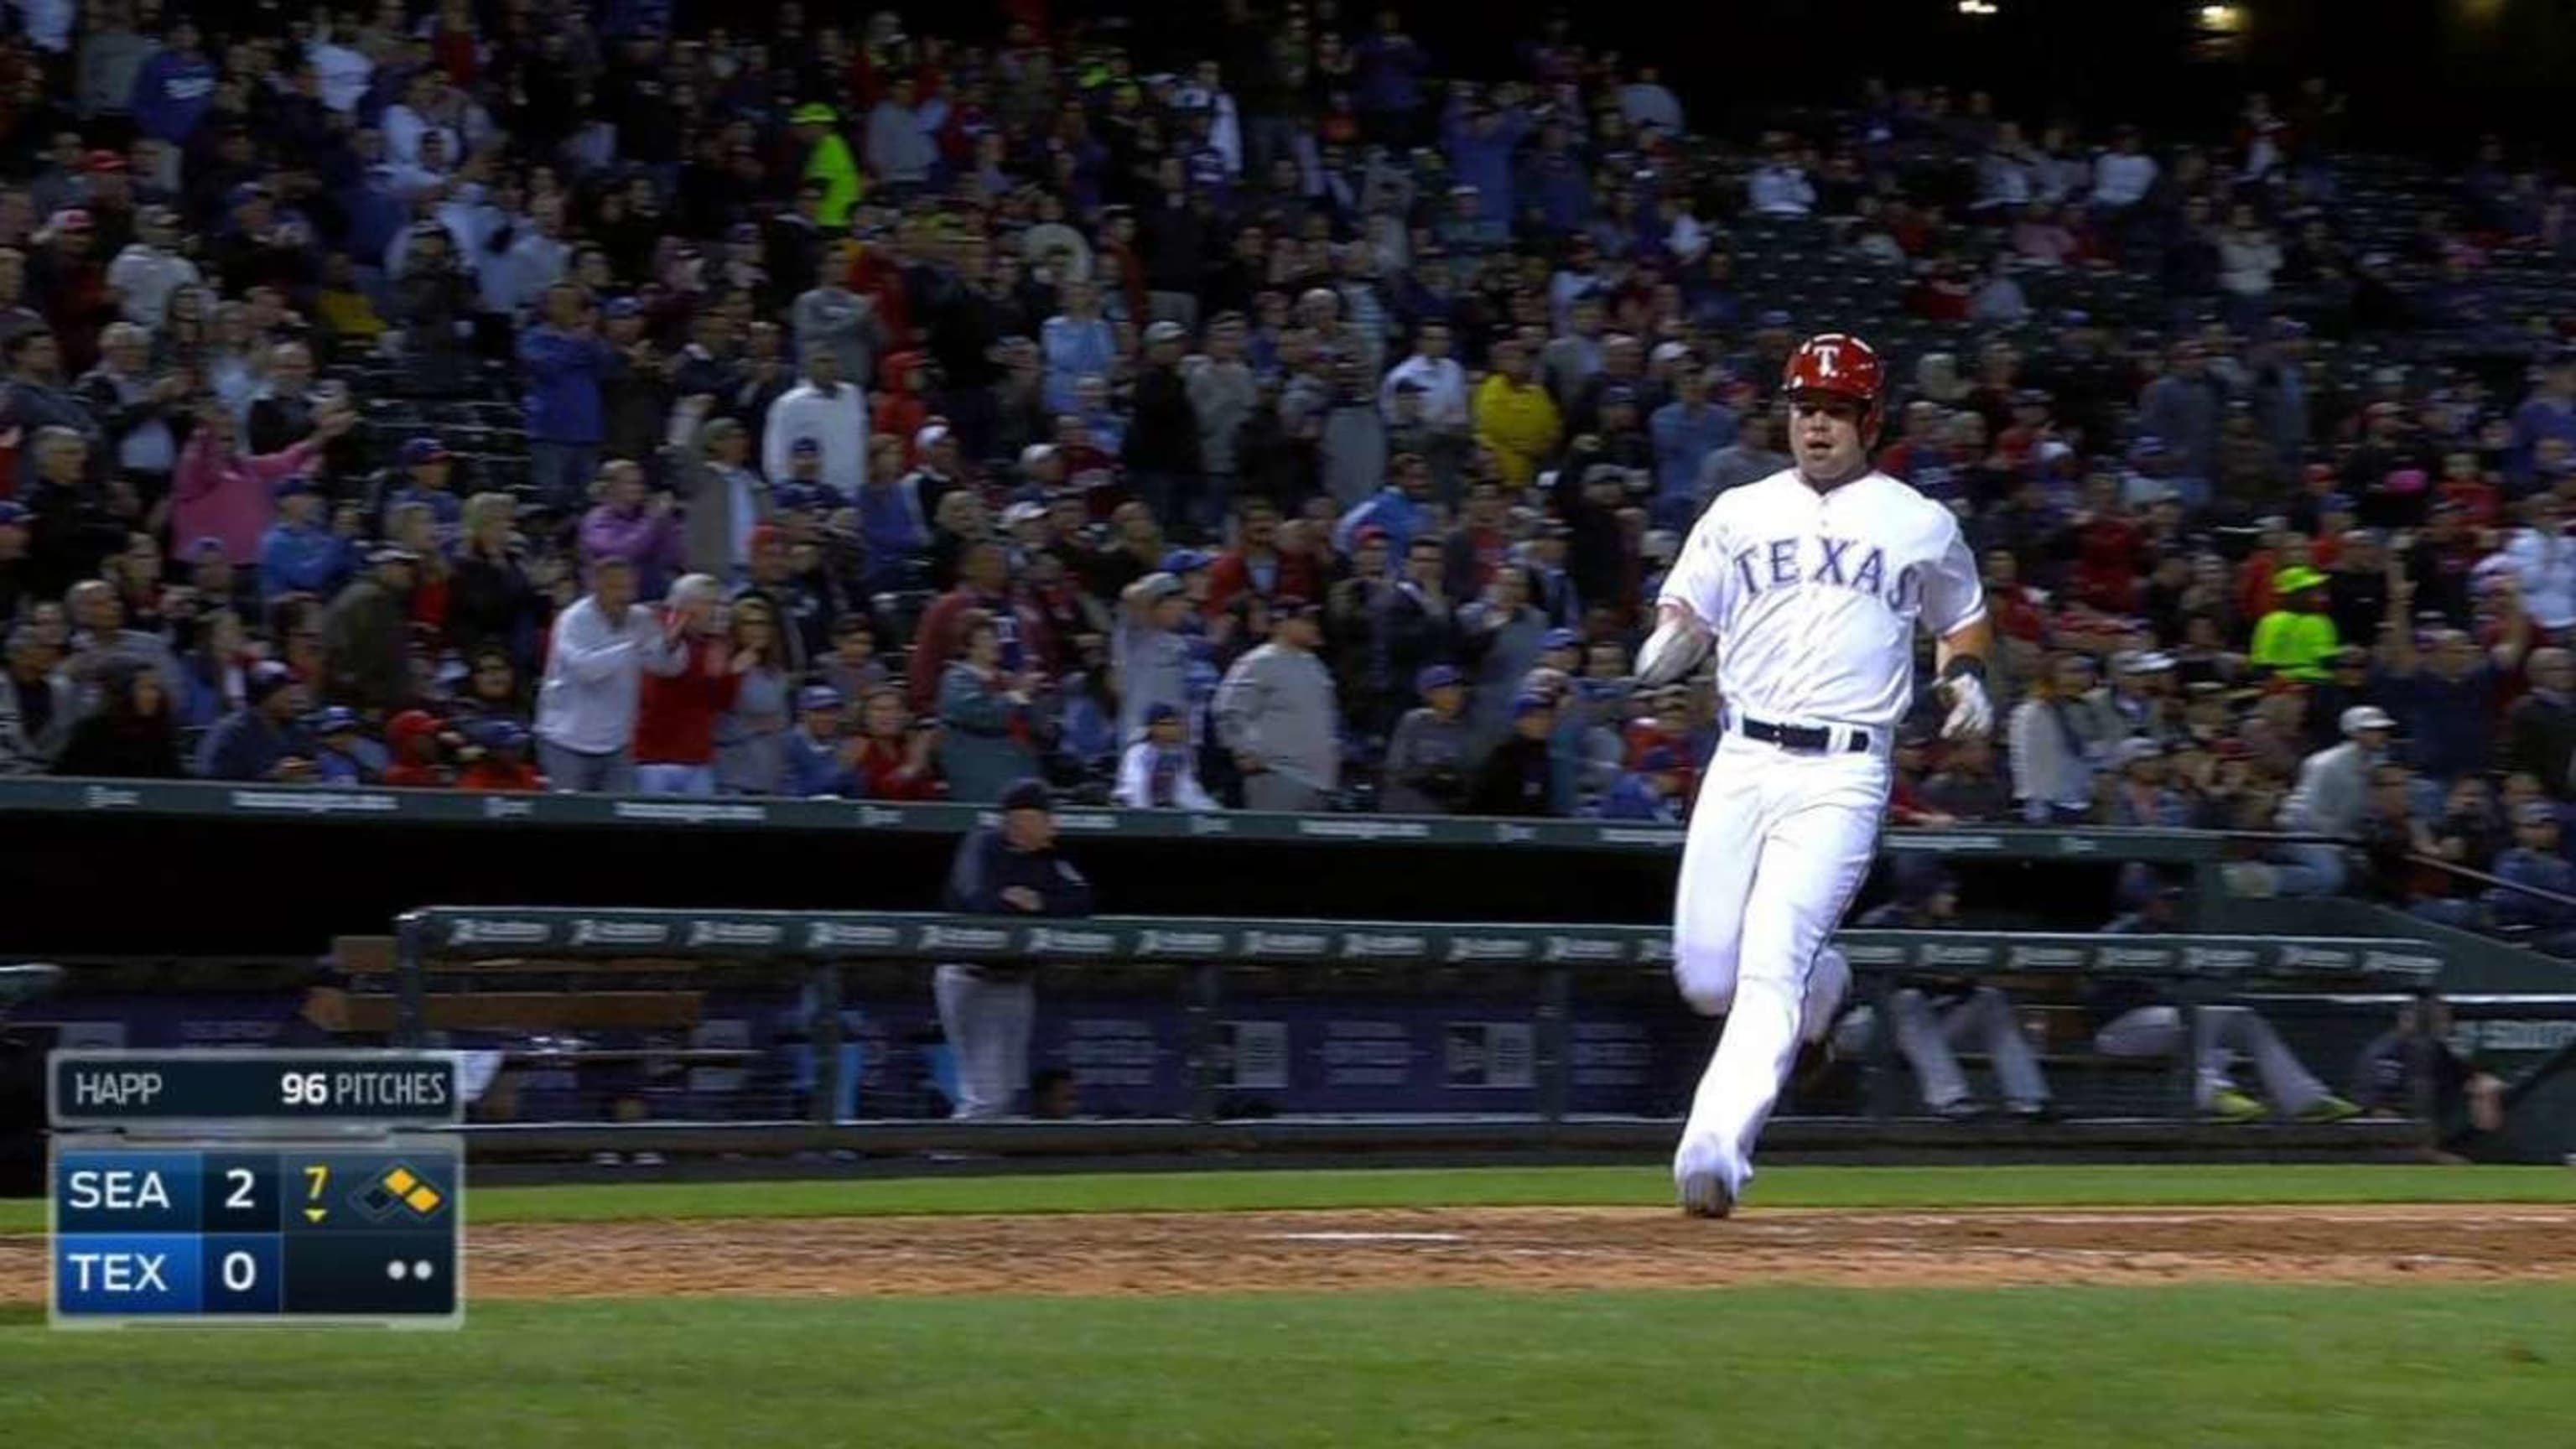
point(1814, 595)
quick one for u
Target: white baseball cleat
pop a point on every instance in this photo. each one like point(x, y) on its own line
point(1706, 1195)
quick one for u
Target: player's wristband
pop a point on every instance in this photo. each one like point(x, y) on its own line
point(1969, 664)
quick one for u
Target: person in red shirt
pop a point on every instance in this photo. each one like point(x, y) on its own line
point(894, 757)
point(675, 723)
point(412, 736)
point(2016, 607)
point(903, 380)
point(1257, 565)
point(2476, 495)
point(1481, 544)
point(502, 764)
point(983, 582)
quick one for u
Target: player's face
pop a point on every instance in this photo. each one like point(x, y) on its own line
point(1824, 430)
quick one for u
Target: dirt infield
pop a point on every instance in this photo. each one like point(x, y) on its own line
point(1545, 1248)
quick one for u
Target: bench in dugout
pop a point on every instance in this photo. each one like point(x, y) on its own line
point(446, 957)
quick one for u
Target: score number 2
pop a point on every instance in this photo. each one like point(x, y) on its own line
point(305, 1089)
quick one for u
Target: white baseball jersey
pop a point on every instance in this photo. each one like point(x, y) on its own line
point(1814, 596)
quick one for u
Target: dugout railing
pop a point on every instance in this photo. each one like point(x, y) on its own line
point(445, 962)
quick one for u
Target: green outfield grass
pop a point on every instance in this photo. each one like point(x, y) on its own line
point(1850, 1369)
point(1784, 1187)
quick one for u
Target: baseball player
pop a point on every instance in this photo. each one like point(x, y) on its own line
point(1808, 586)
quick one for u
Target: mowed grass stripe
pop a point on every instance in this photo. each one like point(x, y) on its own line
point(2257, 1366)
point(1781, 1187)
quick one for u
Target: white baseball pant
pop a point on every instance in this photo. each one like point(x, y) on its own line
point(1929, 1040)
point(987, 1021)
point(1779, 842)
point(2155, 1031)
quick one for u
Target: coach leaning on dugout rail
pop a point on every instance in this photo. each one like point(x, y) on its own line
point(986, 1010)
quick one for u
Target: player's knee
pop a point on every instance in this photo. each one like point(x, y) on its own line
point(1706, 977)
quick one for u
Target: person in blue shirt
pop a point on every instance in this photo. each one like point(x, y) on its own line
point(175, 88)
point(817, 761)
point(1396, 508)
point(2535, 864)
point(1686, 431)
point(564, 360)
point(427, 470)
point(346, 756)
point(1652, 791)
point(297, 555)
point(1010, 869)
point(264, 739)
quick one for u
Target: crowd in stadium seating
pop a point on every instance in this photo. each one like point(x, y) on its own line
point(532, 394)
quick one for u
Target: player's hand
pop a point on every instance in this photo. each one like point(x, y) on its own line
point(1971, 714)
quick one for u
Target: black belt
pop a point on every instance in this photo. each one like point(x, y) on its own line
point(1810, 739)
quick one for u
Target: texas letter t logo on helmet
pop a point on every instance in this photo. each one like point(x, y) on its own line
point(1841, 364)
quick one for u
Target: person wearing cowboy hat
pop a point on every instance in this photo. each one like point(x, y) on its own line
point(2298, 638)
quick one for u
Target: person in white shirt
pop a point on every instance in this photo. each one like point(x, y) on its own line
point(2543, 560)
point(418, 115)
point(345, 73)
point(1442, 380)
point(1156, 773)
point(831, 412)
point(1809, 588)
point(537, 258)
point(594, 682)
point(150, 268)
point(2123, 174)
point(1781, 188)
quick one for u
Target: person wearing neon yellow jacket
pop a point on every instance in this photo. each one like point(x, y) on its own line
point(2298, 639)
point(828, 160)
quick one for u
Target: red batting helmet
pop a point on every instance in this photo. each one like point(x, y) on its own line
point(1841, 364)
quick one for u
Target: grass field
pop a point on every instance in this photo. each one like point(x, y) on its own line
point(2187, 1365)
point(1801, 1187)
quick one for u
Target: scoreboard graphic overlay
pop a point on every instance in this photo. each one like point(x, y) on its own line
point(256, 1187)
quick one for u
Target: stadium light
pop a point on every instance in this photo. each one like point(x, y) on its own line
point(2222, 19)
point(1979, 8)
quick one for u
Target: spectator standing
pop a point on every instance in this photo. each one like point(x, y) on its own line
point(2540, 727)
point(677, 713)
point(366, 635)
point(986, 731)
point(631, 523)
point(2297, 640)
point(602, 647)
point(1276, 711)
point(491, 603)
point(219, 492)
point(1162, 445)
point(565, 360)
point(1515, 418)
point(831, 413)
point(751, 735)
point(986, 1010)
point(2053, 758)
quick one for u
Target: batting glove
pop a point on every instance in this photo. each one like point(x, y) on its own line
point(1971, 714)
